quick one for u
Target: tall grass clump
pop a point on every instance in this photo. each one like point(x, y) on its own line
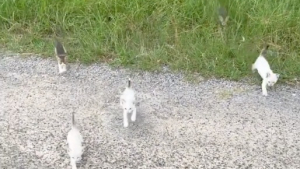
point(183, 34)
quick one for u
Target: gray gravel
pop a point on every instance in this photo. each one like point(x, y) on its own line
point(212, 124)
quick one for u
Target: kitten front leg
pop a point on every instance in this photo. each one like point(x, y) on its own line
point(73, 164)
point(58, 65)
point(59, 68)
point(133, 116)
point(264, 87)
point(125, 120)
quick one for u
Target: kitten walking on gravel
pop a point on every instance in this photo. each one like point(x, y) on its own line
point(61, 56)
point(75, 140)
point(262, 66)
point(127, 101)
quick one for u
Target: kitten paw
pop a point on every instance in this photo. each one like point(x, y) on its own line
point(125, 124)
point(265, 94)
point(62, 71)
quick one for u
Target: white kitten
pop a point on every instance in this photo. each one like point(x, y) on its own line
point(127, 101)
point(75, 140)
point(61, 56)
point(264, 70)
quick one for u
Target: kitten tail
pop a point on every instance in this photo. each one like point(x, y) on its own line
point(129, 83)
point(73, 119)
point(264, 51)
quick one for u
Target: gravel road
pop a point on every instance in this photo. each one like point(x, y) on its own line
point(211, 124)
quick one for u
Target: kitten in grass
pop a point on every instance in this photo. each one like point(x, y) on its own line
point(74, 140)
point(127, 101)
point(61, 56)
point(223, 16)
point(262, 66)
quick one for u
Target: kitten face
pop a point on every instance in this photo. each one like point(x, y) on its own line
point(128, 106)
point(76, 158)
point(272, 78)
point(127, 100)
point(75, 155)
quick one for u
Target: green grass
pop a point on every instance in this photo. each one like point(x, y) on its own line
point(183, 34)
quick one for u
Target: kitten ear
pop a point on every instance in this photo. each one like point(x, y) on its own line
point(122, 101)
point(227, 18)
point(221, 19)
point(277, 75)
point(83, 148)
point(268, 75)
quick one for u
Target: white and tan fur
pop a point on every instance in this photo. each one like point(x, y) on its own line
point(127, 101)
point(61, 56)
point(262, 66)
point(75, 141)
point(223, 16)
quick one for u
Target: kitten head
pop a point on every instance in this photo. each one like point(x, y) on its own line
point(127, 105)
point(76, 155)
point(223, 16)
point(264, 51)
point(75, 158)
point(272, 78)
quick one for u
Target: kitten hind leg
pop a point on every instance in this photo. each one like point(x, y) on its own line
point(264, 87)
point(133, 116)
point(125, 120)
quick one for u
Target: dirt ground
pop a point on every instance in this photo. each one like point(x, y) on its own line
point(211, 124)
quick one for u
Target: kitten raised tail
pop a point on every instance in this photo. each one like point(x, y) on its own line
point(264, 51)
point(262, 66)
point(61, 56)
point(73, 120)
point(127, 101)
point(129, 83)
point(75, 140)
